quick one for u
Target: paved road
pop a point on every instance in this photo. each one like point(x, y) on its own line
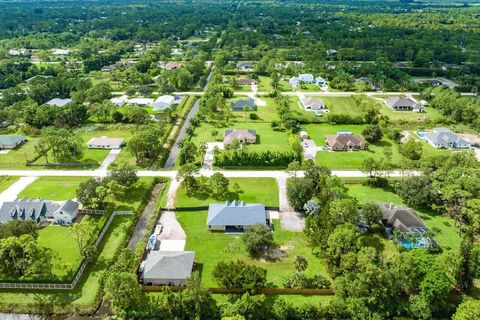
point(172, 157)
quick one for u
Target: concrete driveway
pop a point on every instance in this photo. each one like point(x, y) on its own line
point(309, 149)
point(292, 221)
point(12, 192)
point(111, 156)
point(172, 237)
point(209, 154)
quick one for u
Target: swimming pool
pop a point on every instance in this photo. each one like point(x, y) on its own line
point(407, 244)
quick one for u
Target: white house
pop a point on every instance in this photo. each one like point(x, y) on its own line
point(119, 101)
point(105, 143)
point(58, 102)
point(164, 102)
point(306, 78)
point(66, 214)
point(145, 102)
point(60, 52)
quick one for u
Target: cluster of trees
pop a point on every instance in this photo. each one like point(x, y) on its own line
point(146, 144)
point(62, 144)
point(216, 186)
point(227, 158)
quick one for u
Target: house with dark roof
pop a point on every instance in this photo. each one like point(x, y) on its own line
point(242, 135)
point(235, 216)
point(39, 210)
point(167, 267)
point(401, 218)
point(244, 66)
point(344, 141)
point(403, 104)
point(445, 138)
point(11, 142)
point(240, 105)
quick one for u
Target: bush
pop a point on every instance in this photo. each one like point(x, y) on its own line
point(258, 239)
point(299, 191)
point(238, 274)
point(343, 119)
point(299, 280)
point(234, 158)
point(253, 116)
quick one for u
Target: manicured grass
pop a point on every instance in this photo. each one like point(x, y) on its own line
point(267, 138)
point(258, 190)
point(212, 247)
point(265, 114)
point(265, 84)
point(53, 188)
point(354, 159)
point(343, 105)
point(368, 194)
point(430, 114)
point(6, 181)
point(15, 159)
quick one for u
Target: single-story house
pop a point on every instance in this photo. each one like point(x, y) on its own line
point(401, 218)
point(58, 102)
point(119, 101)
point(239, 105)
point(235, 216)
point(39, 210)
point(246, 82)
point(244, 66)
point(171, 65)
point(242, 135)
point(105, 143)
point(306, 78)
point(167, 267)
point(432, 82)
point(344, 141)
point(164, 102)
point(145, 102)
point(309, 103)
point(403, 104)
point(38, 76)
point(294, 81)
point(11, 142)
point(60, 52)
point(445, 138)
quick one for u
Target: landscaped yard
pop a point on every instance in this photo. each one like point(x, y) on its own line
point(213, 247)
point(267, 113)
point(258, 190)
point(53, 188)
point(354, 159)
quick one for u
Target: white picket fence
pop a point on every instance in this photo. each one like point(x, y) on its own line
point(78, 275)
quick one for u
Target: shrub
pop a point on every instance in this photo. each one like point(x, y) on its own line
point(238, 274)
point(253, 116)
point(299, 280)
point(257, 239)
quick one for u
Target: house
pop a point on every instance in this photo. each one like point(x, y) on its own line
point(105, 143)
point(432, 82)
point(39, 210)
point(164, 102)
point(344, 141)
point(239, 105)
point(171, 65)
point(331, 52)
point(235, 216)
point(401, 218)
point(58, 102)
point(246, 82)
point(11, 142)
point(242, 135)
point(144, 102)
point(306, 78)
point(244, 66)
point(294, 81)
point(167, 267)
point(119, 101)
point(60, 52)
point(403, 104)
point(445, 138)
point(38, 76)
point(309, 103)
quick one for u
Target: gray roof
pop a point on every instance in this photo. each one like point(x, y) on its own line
point(240, 134)
point(445, 136)
point(34, 209)
point(175, 265)
point(400, 217)
point(58, 102)
point(11, 140)
point(401, 102)
point(236, 214)
point(239, 104)
point(69, 207)
point(244, 64)
point(313, 103)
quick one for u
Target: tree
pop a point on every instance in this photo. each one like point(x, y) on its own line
point(257, 238)
point(146, 144)
point(300, 263)
point(372, 133)
point(371, 213)
point(187, 173)
point(122, 290)
point(16, 228)
point(23, 256)
point(371, 167)
point(299, 191)
point(311, 207)
point(84, 233)
point(249, 307)
point(293, 167)
point(198, 302)
point(466, 263)
point(468, 310)
point(416, 191)
point(135, 114)
point(88, 195)
point(218, 185)
point(411, 149)
point(63, 144)
point(238, 274)
point(124, 174)
point(344, 239)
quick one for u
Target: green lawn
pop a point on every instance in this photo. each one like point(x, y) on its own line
point(15, 159)
point(265, 114)
point(213, 247)
point(354, 159)
point(447, 238)
point(6, 181)
point(53, 188)
point(258, 190)
point(267, 138)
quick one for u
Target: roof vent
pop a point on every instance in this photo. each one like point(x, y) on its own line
point(235, 202)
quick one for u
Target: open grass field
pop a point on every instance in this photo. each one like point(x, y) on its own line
point(265, 114)
point(15, 159)
point(53, 188)
point(259, 190)
point(213, 247)
point(267, 138)
point(447, 238)
point(354, 159)
point(6, 181)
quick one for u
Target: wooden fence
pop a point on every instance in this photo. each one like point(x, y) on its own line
point(78, 275)
point(266, 291)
